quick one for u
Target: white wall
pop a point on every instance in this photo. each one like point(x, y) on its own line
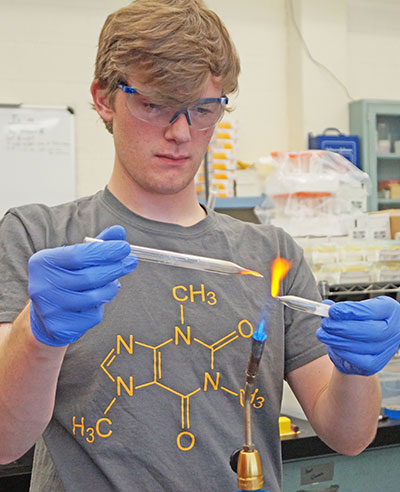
point(374, 48)
point(355, 46)
point(259, 33)
point(47, 51)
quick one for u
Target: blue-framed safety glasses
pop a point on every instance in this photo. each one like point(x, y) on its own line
point(200, 115)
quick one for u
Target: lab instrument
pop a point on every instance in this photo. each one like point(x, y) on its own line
point(246, 461)
point(184, 260)
point(307, 305)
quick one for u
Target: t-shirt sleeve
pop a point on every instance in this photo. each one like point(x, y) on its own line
point(301, 344)
point(15, 250)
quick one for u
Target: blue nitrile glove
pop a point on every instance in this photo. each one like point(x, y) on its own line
point(69, 285)
point(362, 336)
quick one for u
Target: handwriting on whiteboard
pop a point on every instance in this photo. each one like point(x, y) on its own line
point(24, 134)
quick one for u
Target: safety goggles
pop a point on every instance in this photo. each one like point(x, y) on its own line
point(200, 115)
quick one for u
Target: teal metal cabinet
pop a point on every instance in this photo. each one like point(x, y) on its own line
point(377, 123)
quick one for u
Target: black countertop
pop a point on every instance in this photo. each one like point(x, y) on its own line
point(307, 444)
point(19, 467)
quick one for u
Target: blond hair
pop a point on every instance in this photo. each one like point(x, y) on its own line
point(173, 46)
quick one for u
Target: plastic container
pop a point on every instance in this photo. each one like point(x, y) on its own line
point(303, 204)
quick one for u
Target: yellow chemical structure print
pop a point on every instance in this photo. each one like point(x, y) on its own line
point(182, 338)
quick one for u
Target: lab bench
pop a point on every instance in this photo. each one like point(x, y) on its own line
point(15, 477)
point(309, 465)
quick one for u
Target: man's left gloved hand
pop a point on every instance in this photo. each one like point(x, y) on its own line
point(362, 336)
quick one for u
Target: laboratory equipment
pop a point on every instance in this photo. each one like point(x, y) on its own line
point(307, 305)
point(334, 140)
point(212, 197)
point(184, 260)
point(311, 190)
point(246, 461)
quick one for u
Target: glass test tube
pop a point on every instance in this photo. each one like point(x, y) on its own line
point(184, 260)
point(306, 305)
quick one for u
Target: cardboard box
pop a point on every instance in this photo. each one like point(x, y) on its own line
point(394, 215)
point(394, 191)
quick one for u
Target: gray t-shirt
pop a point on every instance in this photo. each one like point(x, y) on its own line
point(151, 399)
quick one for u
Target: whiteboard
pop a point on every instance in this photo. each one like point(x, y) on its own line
point(37, 155)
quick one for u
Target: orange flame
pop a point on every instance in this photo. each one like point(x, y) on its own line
point(279, 269)
point(251, 272)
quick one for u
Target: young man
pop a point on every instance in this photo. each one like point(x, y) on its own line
point(144, 393)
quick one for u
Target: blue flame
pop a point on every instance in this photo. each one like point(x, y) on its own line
point(261, 333)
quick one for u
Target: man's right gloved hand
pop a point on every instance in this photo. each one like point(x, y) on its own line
point(69, 285)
